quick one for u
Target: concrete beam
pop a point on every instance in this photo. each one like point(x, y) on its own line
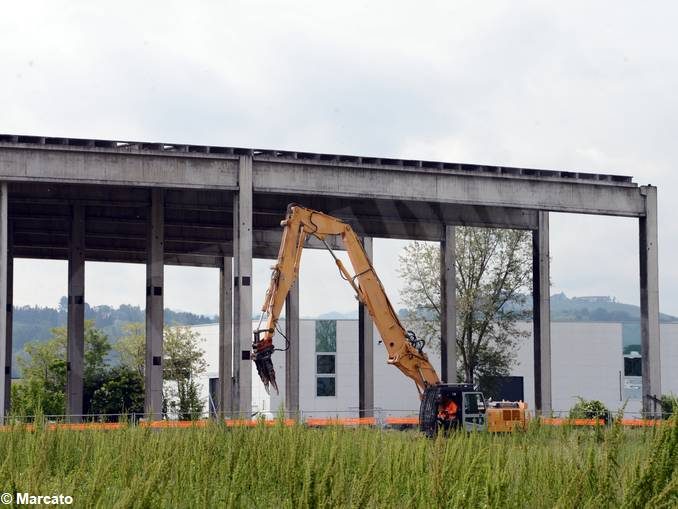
point(448, 304)
point(4, 337)
point(541, 309)
point(226, 337)
point(439, 187)
point(292, 352)
point(77, 166)
point(154, 306)
point(242, 288)
point(446, 183)
point(649, 303)
point(75, 343)
point(366, 351)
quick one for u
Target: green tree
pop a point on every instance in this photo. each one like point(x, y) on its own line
point(122, 392)
point(183, 362)
point(183, 359)
point(43, 384)
point(188, 405)
point(132, 347)
point(42, 388)
point(493, 274)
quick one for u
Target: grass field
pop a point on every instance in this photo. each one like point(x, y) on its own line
point(298, 467)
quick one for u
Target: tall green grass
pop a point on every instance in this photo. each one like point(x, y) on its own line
point(297, 467)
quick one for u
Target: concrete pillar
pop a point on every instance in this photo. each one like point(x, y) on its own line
point(292, 353)
point(5, 338)
point(541, 309)
point(366, 352)
point(155, 253)
point(242, 289)
point(226, 338)
point(649, 303)
point(75, 342)
point(448, 307)
point(9, 321)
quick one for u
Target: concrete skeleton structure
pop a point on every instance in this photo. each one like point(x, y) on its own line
point(158, 203)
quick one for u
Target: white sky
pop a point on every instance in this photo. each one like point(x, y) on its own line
point(578, 85)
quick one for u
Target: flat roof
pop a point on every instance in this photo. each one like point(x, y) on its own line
point(228, 152)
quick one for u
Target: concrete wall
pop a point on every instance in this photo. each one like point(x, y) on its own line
point(669, 357)
point(587, 361)
point(209, 335)
point(525, 363)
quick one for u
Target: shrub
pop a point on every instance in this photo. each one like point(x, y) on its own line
point(669, 404)
point(589, 409)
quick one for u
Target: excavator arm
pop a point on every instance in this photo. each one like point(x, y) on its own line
point(404, 350)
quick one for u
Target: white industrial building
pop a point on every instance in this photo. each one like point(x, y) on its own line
point(587, 361)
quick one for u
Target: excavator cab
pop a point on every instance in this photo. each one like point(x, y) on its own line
point(452, 406)
point(474, 411)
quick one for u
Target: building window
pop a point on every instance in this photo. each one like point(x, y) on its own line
point(326, 357)
point(325, 364)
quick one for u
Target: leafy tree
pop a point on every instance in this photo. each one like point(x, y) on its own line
point(493, 273)
point(97, 349)
point(42, 388)
point(132, 347)
point(121, 392)
point(43, 385)
point(189, 405)
point(183, 362)
point(183, 357)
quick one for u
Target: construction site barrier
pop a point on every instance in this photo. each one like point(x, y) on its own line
point(78, 426)
point(346, 421)
point(644, 422)
point(402, 421)
point(559, 421)
point(309, 421)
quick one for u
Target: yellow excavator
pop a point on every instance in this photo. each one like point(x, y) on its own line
point(443, 405)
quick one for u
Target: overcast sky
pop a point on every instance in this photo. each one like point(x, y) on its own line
point(588, 86)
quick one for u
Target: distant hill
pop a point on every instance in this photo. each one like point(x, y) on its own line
point(588, 309)
point(334, 315)
point(596, 309)
point(603, 309)
point(33, 323)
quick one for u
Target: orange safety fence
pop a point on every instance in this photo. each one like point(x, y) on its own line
point(87, 425)
point(174, 424)
point(396, 421)
point(311, 421)
point(80, 426)
point(254, 422)
point(204, 422)
point(643, 422)
point(559, 421)
point(348, 421)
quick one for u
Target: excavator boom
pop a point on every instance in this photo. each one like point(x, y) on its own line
point(443, 406)
point(403, 349)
